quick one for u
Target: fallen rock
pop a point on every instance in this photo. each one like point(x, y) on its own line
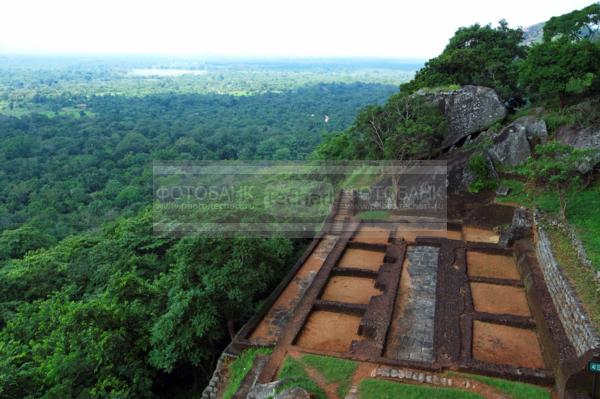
point(294, 393)
point(535, 128)
point(582, 138)
point(502, 191)
point(264, 391)
point(468, 110)
point(520, 227)
point(510, 147)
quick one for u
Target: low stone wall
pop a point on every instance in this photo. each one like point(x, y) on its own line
point(575, 321)
point(211, 390)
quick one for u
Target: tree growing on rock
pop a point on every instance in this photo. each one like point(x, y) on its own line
point(476, 55)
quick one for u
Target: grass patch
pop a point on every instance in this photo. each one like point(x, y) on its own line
point(335, 371)
point(583, 212)
point(373, 215)
point(517, 192)
point(580, 276)
point(547, 201)
point(240, 367)
point(516, 390)
point(376, 389)
point(361, 178)
point(295, 376)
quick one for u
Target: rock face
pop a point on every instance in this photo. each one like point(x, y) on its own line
point(522, 224)
point(264, 391)
point(535, 128)
point(510, 147)
point(582, 138)
point(468, 110)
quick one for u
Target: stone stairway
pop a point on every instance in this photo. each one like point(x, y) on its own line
point(344, 211)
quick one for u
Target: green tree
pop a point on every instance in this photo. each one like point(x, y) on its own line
point(475, 55)
point(558, 69)
point(576, 25)
point(406, 127)
point(16, 243)
point(558, 166)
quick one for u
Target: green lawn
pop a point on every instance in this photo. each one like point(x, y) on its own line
point(583, 211)
point(379, 389)
point(373, 215)
point(547, 201)
point(516, 390)
point(240, 367)
point(335, 371)
point(295, 376)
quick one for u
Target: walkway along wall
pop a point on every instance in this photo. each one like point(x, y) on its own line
point(571, 340)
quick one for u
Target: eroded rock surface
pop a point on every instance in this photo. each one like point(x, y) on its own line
point(510, 147)
point(588, 137)
point(469, 110)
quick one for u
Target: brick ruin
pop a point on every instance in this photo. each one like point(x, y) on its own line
point(408, 298)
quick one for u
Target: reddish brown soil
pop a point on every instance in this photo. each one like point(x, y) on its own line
point(362, 259)
point(410, 235)
point(498, 344)
point(329, 331)
point(350, 289)
point(268, 330)
point(372, 235)
point(499, 299)
point(477, 234)
point(481, 264)
point(399, 308)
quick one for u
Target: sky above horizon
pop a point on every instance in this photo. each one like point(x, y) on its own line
point(324, 28)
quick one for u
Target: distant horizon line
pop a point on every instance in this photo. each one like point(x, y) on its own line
point(214, 56)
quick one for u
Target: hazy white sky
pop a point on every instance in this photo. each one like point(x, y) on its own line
point(393, 28)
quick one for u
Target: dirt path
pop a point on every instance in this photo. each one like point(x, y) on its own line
point(329, 389)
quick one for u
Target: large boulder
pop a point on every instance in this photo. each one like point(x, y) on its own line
point(535, 128)
point(588, 137)
point(510, 147)
point(468, 110)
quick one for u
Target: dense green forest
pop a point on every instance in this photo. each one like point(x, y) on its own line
point(64, 174)
point(94, 303)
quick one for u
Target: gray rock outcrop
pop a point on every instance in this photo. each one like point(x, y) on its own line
point(468, 110)
point(510, 147)
point(582, 138)
point(535, 128)
point(264, 391)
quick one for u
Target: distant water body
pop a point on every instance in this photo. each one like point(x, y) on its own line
point(165, 72)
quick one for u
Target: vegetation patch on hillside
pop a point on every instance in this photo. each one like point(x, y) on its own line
point(377, 389)
point(240, 367)
point(515, 390)
point(581, 277)
point(294, 375)
point(336, 371)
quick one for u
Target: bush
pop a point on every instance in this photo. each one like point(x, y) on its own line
point(483, 181)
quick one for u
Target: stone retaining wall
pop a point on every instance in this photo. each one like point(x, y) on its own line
point(211, 390)
point(575, 321)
